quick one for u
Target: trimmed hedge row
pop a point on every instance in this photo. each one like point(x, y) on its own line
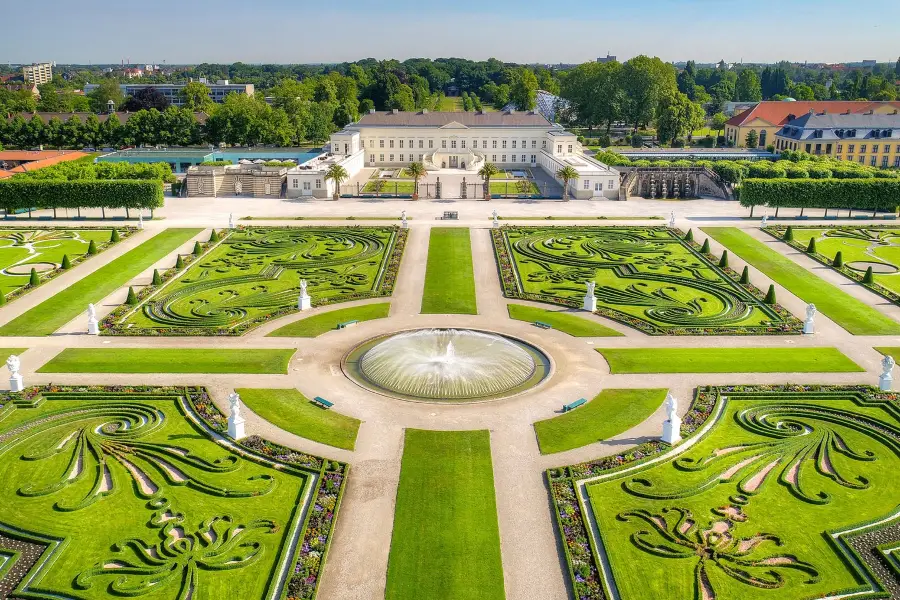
point(871, 194)
point(120, 193)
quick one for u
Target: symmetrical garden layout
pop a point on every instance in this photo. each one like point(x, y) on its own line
point(125, 493)
point(254, 275)
point(773, 489)
point(647, 277)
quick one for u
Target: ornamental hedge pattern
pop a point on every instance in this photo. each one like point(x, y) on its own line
point(870, 194)
point(197, 514)
point(253, 275)
point(649, 278)
point(98, 193)
point(698, 513)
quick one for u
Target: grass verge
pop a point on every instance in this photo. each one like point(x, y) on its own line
point(292, 411)
point(560, 319)
point(446, 541)
point(169, 360)
point(610, 413)
point(56, 311)
point(840, 307)
point(727, 360)
point(449, 276)
point(319, 324)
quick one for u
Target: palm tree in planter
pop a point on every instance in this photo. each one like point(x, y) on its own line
point(567, 174)
point(417, 170)
point(338, 175)
point(486, 172)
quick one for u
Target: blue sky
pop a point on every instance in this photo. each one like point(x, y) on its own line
point(180, 31)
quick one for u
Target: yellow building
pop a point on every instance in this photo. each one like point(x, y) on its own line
point(767, 118)
point(868, 139)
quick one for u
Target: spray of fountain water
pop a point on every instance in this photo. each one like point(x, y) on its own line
point(447, 364)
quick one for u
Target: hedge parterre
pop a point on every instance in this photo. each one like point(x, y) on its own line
point(649, 278)
point(128, 493)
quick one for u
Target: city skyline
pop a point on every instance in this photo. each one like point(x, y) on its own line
point(700, 30)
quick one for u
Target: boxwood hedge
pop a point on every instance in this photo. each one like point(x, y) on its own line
point(119, 193)
point(871, 194)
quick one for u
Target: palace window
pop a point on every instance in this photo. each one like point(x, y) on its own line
point(392, 158)
point(873, 161)
point(559, 148)
point(533, 144)
point(420, 157)
point(431, 143)
point(851, 148)
point(504, 143)
point(862, 148)
point(401, 156)
point(897, 161)
point(875, 148)
point(862, 160)
point(523, 158)
point(524, 144)
point(371, 158)
point(850, 157)
point(318, 184)
point(443, 143)
point(514, 143)
point(494, 144)
point(401, 144)
point(884, 162)
point(587, 184)
point(411, 145)
point(484, 144)
point(543, 144)
point(306, 185)
point(840, 148)
point(392, 143)
point(296, 183)
point(371, 143)
point(381, 143)
point(828, 149)
point(503, 158)
point(533, 158)
point(381, 158)
point(598, 187)
point(493, 158)
point(611, 184)
point(809, 148)
point(420, 144)
point(453, 143)
point(570, 148)
point(462, 143)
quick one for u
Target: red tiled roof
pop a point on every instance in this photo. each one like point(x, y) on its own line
point(776, 112)
point(38, 159)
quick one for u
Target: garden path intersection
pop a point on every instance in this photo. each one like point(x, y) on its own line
point(534, 565)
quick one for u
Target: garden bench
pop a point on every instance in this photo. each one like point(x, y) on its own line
point(450, 215)
point(346, 324)
point(543, 325)
point(323, 402)
point(574, 405)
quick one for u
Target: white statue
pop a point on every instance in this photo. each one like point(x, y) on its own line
point(672, 425)
point(93, 325)
point(15, 380)
point(230, 220)
point(304, 302)
point(886, 381)
point(268, 188)
point(140, 220)
point(403, 222)
point(809, 325)
point(672, 219)
point(496, 221)
point(238, 186)
point(235, 420)
point(765, 222)
point(590, 301)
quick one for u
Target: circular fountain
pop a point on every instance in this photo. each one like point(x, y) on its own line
point(446, 364)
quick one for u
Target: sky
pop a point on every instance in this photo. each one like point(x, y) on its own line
point(523, 31)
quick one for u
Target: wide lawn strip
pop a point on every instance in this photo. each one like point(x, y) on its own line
point(610, 413)
point(56, 311)
point(623, 361)
point(329, 321)
point(562, 320)
point(170, 360)
point(446, 540)
point(449, 275)
point(837, 305)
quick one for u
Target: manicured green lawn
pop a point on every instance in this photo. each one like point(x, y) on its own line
point(319, 324)
point(512, 187)
point(840, 307)
point(890, 351)
point(727, 360)
point(446, 541)
point(610, 413)
point(449, 277)
point(292, 411)
point(391, 187)
point(6, 352)
point(169, 360)
point(561, 320)
point(56, 311)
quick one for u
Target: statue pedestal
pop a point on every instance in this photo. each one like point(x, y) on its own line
point(15, 383)
point(590, 303)
point(236, 428)
point(672, 431)
point(495, 224)
point(93, 327)
point(304, 303)
point(886, 382)
point(404, 224)
point(809, 327)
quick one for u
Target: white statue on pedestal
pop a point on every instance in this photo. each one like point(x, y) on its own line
point(238, 186)
point(886, 381)
point(140, 220)
point(403, 222)
point(590, 301)
point(496, 222)
point(230, 220)
point(235, 420)
point(809, 325)
point(672, 425)
point(93, 326)
point(672, 219)
point(15, 380)
point(304, 302)
point(765, 221)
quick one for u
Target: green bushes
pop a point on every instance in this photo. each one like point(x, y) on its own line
point(838, 260)
point(79, 170)
point(871, 193)
point(811, 248)
point(92, 248)
point(216, 163)
point(121, 193)
point(770, 295)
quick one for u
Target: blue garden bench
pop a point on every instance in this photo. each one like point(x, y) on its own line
point(323, 402)
point(574, 405)
point(346, 324)
point(543, 325)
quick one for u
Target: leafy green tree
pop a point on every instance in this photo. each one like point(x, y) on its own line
point(803, 92)
point(748, 87)
point(717, 124)
point(677, 116)
point(566, 174)
point(110, 132)
point(108, 90)
point(402, 99)
point(594, 93)
point(644, 81)
point(752, 139)
point(338, 174)
point(523, 93)
point(195, 97)
point(34, 280)
point(501, 96)
point(321, 122)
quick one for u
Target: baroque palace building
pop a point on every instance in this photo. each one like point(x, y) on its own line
point(867, 139)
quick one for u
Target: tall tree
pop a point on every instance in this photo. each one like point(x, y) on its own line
point(644, 80)
point(195, 96)
point(108, 90)
point(748, 87)
point(145, 99)
point(594, 94)
point(523, 92)
point(677, 116)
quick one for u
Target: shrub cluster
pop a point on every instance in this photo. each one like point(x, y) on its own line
point(867, 193)
point(91, 193)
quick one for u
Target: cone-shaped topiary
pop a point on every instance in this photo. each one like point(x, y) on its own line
point(34, 280)
point(213, 237)
point(66, 263)
point(157, 280)
point(745, 276)
point(770, 295)
point(869, 278)
point(789, 234)
point(811, 247)
point(179, 262)
point(114, 237)
point(198, 249)
point(838, 259)
point(690, 236)
point(92, 248)
point(723, 262)
point(132, 297)
point(705, 248)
